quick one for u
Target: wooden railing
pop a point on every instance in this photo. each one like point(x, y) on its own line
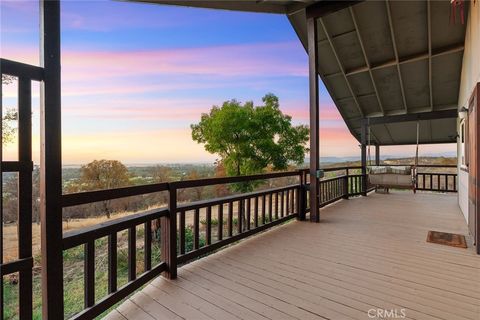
point(436, 178)
point(86, 237)
point(214, 223)
point(341, 186)
point(190, 230)
point(25, 75)
point(439, 180)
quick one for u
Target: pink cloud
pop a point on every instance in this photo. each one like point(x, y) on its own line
point(113, 72)
point(233, 60)
point(299, 110)
point(158, 109)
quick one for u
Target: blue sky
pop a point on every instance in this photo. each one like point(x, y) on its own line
point(135, 76)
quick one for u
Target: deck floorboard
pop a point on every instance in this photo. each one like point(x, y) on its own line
point(367, 253)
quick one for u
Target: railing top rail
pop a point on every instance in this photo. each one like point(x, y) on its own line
point(224, 180)
point(333, 168)
point(78, 237)
point(422, 165)
point(216, 201)
point(75, 199)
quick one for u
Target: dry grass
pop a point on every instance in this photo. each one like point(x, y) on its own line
point(11, 239)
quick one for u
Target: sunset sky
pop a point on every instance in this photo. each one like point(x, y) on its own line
point(135, 76)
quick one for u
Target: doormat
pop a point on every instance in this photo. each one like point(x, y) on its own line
point(448, 239)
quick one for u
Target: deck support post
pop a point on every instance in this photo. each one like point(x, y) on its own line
point(314, 119)
point(168, 225)
point(51, 162)
point(377, 155)
point(364, 157)
point(301, 196)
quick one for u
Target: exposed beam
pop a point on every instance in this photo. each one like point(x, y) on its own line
point(239, 5)
point(338, 36)
point(443, 141)
point(429, 32)
point(367, 95)
point(402, 60)
point(392, 34)
point(444, 114)
point(366, 59)
point(342, 69)
point(294, 8)
point(325, 7)
point(314, 119)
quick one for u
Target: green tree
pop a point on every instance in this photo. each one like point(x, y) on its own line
point(249, 139)
point(104, 174)
point(162, 174)
point(8, 130)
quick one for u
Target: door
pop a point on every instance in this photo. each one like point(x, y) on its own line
point(473, 169)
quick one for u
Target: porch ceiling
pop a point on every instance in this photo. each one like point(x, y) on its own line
point(380, 58)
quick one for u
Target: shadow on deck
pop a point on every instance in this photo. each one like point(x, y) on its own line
point(367, 255)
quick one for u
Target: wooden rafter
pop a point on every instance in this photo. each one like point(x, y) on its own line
point(392, 34)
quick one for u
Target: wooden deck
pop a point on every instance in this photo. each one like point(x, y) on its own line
point(367, 254)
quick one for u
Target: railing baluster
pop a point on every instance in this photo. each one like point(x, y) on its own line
point(255, 213)
point(295, 201)
point(292, 201)
point(181, 226)
point(248, 219)
point(196, 228)
point(282, 205)
point(89, 274)
point(240, 216)
point(230, 219)
point(112, 263)
point(264, 209)
point(220, 222)
point(147, 236)
point(208, 225)
point(454, 183)
point(270, 207)
point(276, 205)
point(431, 181)
point(339, 187)
point(287, 209)
point(132, 253)
point(345, 187)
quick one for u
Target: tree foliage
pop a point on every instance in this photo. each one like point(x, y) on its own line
point(10, 116)
point(249, 139)
point(104, 174)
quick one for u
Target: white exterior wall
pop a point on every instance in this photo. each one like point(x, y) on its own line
point(470, 76)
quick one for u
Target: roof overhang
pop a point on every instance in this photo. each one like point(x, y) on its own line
point(407, 59)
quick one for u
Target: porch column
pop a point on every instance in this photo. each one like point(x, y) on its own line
point(364, 157)
point(314, 119)
point(51, 162)
point(377, 155)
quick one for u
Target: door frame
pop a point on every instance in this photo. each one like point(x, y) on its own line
point(474, 157)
